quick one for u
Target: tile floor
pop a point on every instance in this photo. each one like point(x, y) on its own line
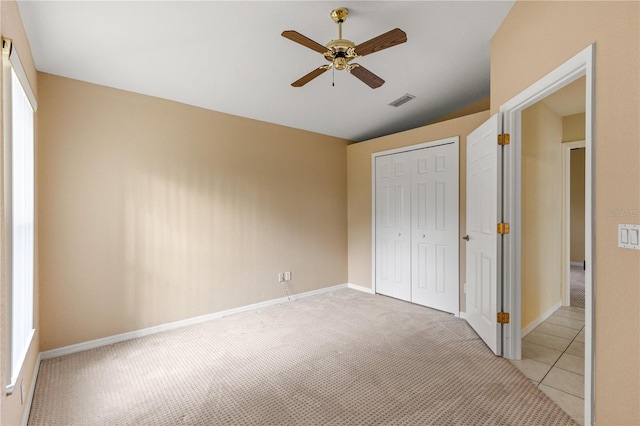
point(553, 358)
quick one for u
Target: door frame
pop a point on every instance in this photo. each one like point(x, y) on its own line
point(431, 144)
point(566, 218)
point(582, 64)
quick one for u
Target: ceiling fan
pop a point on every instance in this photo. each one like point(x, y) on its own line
point(341, 52)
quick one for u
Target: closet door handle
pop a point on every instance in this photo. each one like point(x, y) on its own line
point(424, 236)
point(466, 238)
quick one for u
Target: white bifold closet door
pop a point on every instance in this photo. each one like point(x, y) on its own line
point(417, 226)
point(393, 226)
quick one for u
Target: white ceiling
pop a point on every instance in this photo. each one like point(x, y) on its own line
point(230, 56)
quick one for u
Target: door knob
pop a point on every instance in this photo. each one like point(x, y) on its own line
point(466, 238)
point(424, 236)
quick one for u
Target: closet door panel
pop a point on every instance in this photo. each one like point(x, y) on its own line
point(434, 194)
point(393, 226)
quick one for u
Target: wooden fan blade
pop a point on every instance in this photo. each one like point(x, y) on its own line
point(366, 76)
point(305, 41)
point(383, 41)
point(307, 78)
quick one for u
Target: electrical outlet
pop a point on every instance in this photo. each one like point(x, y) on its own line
point(287, 276)
point(280, 277)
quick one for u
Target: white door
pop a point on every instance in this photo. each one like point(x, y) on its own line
point(393, 226)
point(434, 234)
point(484, 183)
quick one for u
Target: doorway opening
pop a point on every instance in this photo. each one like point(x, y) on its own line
point(516, 293)
point(553, 249)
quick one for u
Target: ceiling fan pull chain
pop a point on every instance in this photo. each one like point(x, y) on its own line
point(333, 76)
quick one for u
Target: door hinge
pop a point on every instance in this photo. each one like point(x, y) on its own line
point(503, 228)
point(503, 318)
point(504, 139)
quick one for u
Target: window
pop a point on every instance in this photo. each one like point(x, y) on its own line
point(19, 198)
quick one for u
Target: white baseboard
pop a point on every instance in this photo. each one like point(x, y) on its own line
point(92, 344)
point(360, 288)
point(32, 391)
point(463, 315)
point(576, 263)
point(293, 297)
point(536, 322)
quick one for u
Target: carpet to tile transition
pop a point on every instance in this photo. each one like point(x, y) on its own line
point(576, 287)
point(341, 358)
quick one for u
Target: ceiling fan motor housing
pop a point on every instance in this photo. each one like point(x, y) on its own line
point(340, 52)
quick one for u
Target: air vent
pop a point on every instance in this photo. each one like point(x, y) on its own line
point(402, 100)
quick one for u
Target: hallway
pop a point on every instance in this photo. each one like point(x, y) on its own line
point(553, 358)
point(553, 353)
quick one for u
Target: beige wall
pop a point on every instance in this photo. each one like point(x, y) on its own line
point(534, 39)
point(359, 189)
point(12, 407)
point(573, 127)
point(541, 211)
point(153, 211)
point(577, 183)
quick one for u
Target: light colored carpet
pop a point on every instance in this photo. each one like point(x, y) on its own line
point(576, 291)
point(341, 358)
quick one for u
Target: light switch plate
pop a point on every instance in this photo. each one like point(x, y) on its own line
point(629, 236)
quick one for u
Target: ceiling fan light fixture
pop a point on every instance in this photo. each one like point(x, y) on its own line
point(340, 63)
point(402, 100)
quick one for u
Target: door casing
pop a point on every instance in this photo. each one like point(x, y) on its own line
point(582, 64)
